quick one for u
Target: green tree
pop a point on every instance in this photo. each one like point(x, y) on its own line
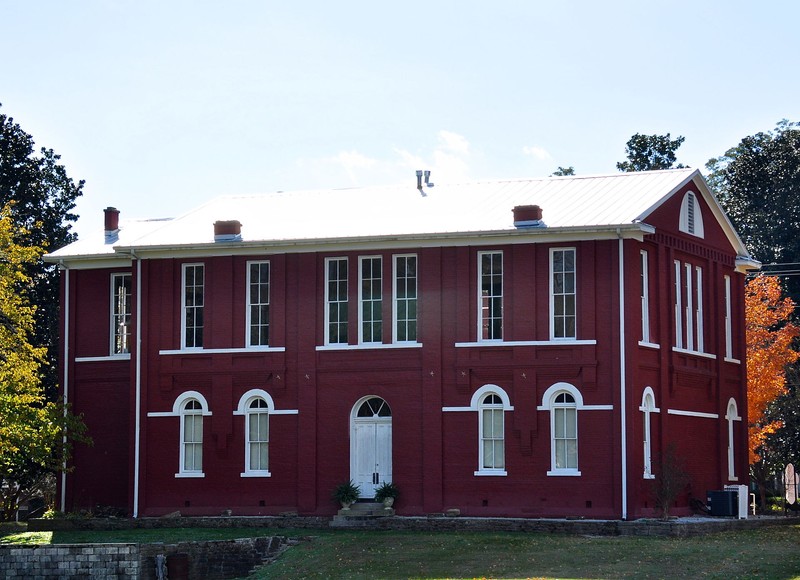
point(649, 152)
point(563, 171)
point(758, 184)
point(36, 434)
point(43, 197)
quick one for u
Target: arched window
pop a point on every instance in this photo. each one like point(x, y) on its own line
point(691, 220)
point(563, 400)
point(191, 437)
point(492, 434)
point(731, 416)
point(564, 424)
point(648, 408)
point(257, 437)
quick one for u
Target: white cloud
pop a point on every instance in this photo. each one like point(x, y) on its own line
point(453, 142)
point(449, 161)
point(539, 153)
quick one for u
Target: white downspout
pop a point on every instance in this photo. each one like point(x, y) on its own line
point(138, 386)
point(63, 506)
point(622, 374)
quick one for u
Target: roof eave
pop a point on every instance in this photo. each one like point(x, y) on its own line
point(630, 230)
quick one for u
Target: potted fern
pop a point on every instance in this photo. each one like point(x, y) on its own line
point(346, 494)
point(386, 494)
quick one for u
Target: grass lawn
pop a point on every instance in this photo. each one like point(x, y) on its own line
point(767, 553)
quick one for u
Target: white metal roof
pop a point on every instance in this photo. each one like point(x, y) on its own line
point(566, 202)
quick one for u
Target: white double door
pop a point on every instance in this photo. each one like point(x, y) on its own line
point(371, 453)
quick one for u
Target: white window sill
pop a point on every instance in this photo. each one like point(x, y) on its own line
point(255, 474)
point(111, 357)
point(735, 361)
point(564, 473)
point(250, 349)
point(370, 346)
point(190, 475)
point(646, 344)
point(694, 352)
point(491, 473)
point(551, 342)
point(648, 476)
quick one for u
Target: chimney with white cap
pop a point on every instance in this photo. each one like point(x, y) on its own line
point(528, 216)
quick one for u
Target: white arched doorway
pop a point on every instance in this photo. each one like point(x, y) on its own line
point(370, 444)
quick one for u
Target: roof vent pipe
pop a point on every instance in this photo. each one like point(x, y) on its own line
point(228, 231)
point(528, 216)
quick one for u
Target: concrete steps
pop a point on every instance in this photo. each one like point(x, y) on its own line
point(360, 514)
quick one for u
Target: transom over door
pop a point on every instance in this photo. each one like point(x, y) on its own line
point(371, 445)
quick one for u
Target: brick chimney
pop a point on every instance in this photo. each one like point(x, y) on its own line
point(111, 224)
point(527, 216)
point(227, 231)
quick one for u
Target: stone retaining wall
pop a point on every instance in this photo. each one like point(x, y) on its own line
point(213, 560)
point(681, 527)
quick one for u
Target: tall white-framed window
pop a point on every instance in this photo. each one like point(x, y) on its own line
point(370, 298)
point(489, 402)
point(647, 408)
point(732, 415)
point(258, 298)
point(728, 320)
point(645, 296)
point(678, 306)
point(689, 310)
point(490, 295)
point(562, 293)
point(405, 298)
point(120, 313)
point(698, 271)
point(192, 306)
point(257, 437)
point(691, 218)
point(562, 401)
point(492, 434)
point(565, 432)
point(336, 300)
point(191, 451)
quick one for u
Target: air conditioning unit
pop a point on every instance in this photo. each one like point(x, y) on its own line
point(742, 500)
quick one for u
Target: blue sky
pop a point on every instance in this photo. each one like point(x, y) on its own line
point(162, 105)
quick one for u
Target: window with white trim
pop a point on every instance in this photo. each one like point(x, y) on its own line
point(490, 296)
point(120, 313)
point(564, 424)
point(191, 451)
point(728, 320)
point(492, 433)
point(336, 301)
point(689, 311)
point(678, 306)
point(258, 281)
point(648, 408)
point(562, 293)
point(405, 298)
point(370, 299)
point(645, 296)
point(257, 437)
point(192, 305)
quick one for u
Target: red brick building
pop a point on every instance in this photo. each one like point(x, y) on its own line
point(513, 348)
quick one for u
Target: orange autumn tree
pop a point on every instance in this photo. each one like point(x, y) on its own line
point(769, 336)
